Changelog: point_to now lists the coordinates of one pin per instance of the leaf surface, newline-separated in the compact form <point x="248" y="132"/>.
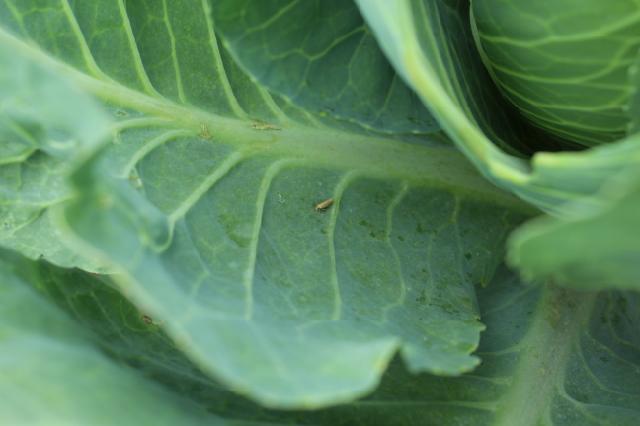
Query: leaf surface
<point x="53" y="373"/>
<point x="592" y="248"/>
<point x="39" y="144"/>
<point x="203" y="203"/>
<point x="550" y="356"/>
<point x="320" y="55"/>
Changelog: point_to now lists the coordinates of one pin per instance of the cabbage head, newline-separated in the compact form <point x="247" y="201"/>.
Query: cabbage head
<point x="565" y="64"/>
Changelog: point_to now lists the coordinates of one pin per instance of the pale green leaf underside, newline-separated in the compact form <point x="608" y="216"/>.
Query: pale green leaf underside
<point x="209" y="215"/>
<point x="53" y="373"/>
<point x="551" y="357"/>
<point x="39" y="143"/>
<point x="592" y="248"/>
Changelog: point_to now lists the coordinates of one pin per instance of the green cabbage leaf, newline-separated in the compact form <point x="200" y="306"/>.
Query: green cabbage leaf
<point x="297" y="212"/>
<point x="426" y="41"/>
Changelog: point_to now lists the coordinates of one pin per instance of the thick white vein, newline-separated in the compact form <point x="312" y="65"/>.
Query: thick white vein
<point x="249" y="274"/>
<point x="150" y="146"/>
<point x="82" y="41"/>
<point x="135" y="52"/>
<point x="221" y="170"/>
<point x="174" y="55"/>
<point x="213" y="43"/>
<point x="397" y="199"/>
<point x="333" y="219"/>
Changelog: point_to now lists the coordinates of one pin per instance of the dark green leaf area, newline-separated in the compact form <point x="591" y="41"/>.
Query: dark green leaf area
<point x="54" y="371"/>
<point x="587" y="368"/>
<point x="320" y="55"/>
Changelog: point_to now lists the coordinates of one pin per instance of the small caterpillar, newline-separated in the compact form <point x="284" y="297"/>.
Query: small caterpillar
<point x="204" y="131"/>
<point x="324" y="205"/>
<point x="261" y="125"/>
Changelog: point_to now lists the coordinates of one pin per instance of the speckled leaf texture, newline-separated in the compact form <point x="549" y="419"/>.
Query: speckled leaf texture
<point x="162" y="163"/>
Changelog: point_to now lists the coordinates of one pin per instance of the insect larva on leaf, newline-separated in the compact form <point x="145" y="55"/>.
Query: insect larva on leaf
<point x="204" y="131"/>
<point x="261" y="125"/>
<point x="324" y="205"/>
<point x="149" y="321"/>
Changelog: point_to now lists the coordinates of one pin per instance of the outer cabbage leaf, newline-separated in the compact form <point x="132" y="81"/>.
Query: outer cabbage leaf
<point x="591" y="248"/>
<point x="53" y="373"/>
<point x="203" y="202"/>
<point x="39" y="144"/>
<point x="550" y="356"/>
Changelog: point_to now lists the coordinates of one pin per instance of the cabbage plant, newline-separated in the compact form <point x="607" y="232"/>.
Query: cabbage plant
<point x="319" y="212"/>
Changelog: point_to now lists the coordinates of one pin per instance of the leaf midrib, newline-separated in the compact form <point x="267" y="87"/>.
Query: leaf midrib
<point x="386" y="158"/>
<point x="560" y="318"/>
